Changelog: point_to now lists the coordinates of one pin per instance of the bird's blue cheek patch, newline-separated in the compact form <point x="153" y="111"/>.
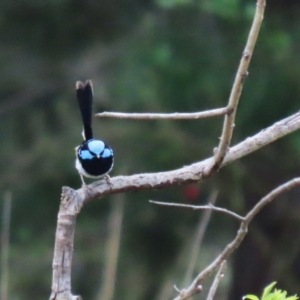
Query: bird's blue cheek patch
<point x="85" y="154"/>
<point x="96" y="146"/>
<point x="106" y="153"/>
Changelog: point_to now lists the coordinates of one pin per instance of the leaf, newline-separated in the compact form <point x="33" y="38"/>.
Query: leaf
<point x="275" y="295"/>
<point x="295" y="297"/>
<point x="270" y="296"/>
<point x="250" y="297"/>
<point x="267" y="290"/>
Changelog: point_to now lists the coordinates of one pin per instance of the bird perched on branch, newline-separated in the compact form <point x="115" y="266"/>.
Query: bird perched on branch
<point x="94" y="158"/>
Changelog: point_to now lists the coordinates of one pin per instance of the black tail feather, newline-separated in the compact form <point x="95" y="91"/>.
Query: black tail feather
<point x="84" y="92"/>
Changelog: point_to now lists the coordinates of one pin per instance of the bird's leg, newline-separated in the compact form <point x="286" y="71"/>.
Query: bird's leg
<point x="107" y="179"/>
<point x="84" y="186"/>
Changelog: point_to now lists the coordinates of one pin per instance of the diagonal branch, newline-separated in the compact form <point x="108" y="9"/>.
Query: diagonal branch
<point x="216" y="282"/>
<point x="237" y="87"/>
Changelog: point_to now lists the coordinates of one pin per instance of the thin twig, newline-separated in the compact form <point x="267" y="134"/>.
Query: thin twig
<point x="168" y="116"/>
<point x="201" y="207"/>
<point x="6" y="215"/>
<point x="197" y="241"/>
<point x="234" y="244"/>
<point x="237" y="87"/>
<point x="218" y="277"/>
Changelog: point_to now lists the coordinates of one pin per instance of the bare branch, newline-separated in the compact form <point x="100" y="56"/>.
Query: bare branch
<point x="192" y="173"/>
<point x="197" y="241"/>
<point x="63" y="248"/>
<point x="112" y="249"/>
<point x="216" y="282"/>
<point x="200" y="207"/>
<point x="237" y="87"/>
<point x="193" y="288"/>
<point x="268" y="198"/>
<point x="6" y="216"/>
<point x="168" y="116"/>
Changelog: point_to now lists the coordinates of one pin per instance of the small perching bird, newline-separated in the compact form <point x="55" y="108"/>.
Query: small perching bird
<point x="94" y="158"/>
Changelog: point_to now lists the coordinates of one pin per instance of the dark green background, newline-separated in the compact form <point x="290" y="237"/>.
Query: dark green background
<point x="145" y="56"/>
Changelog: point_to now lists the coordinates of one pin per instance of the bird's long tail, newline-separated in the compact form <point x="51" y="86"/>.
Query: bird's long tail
<point x="84" y="93"/>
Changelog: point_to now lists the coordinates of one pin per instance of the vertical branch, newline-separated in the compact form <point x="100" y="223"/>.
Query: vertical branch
<point x="237" y="87"/>
<point x="63" y="250"/>
<point x="199" y="237"/>
<point x="6" y="215"/>
<point x="112" y="249"/>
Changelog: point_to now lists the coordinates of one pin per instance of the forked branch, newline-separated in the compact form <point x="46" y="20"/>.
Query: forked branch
<point x="229" y="111"/>
<point x="72" y="200"/>
<point x="237" y="87"/>
<point x="196" y="284"/>
<point x="188" y="174"/>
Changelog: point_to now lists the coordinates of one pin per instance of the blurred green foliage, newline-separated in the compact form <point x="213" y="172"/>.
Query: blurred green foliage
<point x="145" y="56"/>
<point x="268" y="294"/>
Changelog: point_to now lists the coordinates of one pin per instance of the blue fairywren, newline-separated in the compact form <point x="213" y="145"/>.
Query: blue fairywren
<point x="94" y="158"/>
